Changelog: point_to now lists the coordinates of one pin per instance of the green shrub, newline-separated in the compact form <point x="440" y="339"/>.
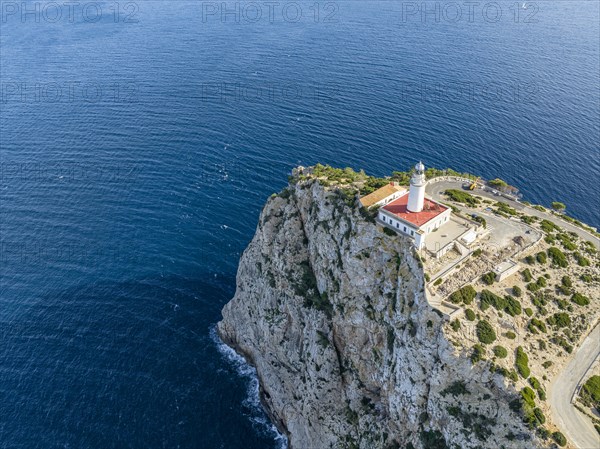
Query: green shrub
<point x="491" y="299"/>
<point x="522" y="363"/>
<point x="456" y="388"/>
<point x="586" y="278"/>
<point x="566" y="281"/>
<point x="539" y="415"/>
<point x="323" y="304"/>
<point x="433" y="439"/>
<point x="455" y="325"/>
<point x="500" y="352"/>
<point x="510" y="335"/>
<point x="505" y="209"/>
<point x="438" y="281"/>
<point x="516" y="291"/>
<point x="526" y="275"/>
<point x="542" y="394"/>
<point x="462" y="197"/>
<point x="507" y="304"/>
<point x="542" y="432"/>
<point x="463" y="295"/>
<point x="580" y="300"/>
<point x="547" y="364"/>
<point x="581" y="260"/>
<point x="530" y="260"/>
<point x="528" y="396"/>
<point x="548" y="226"/>
<point x="470" y="314"/>
<point x="542" y="281"/>
<point x="528" y="311"/>
<point x="512" y="374"/>
<point x="566" y="242"/>
<point x="535" y="325"/>
<point x="541" y="257"/>
<point x="513" y="306"/>
<point x="498" y="183"/>
<point x="559" y="438"/>
<point x="532" y="415"/>
<point x="562" y="342"/>
<point x="529" y="219"/>
<point x="477" y="252"/>
<point x="485" y="332"/>
<point x="590" y="392"/>
<point x="478" y="353"/>
<point x="560" y="319"/>
<point x="558" y="257"/>
<point x="489" y="278"/>
<point x="540" y="300"/>
<point x="534" y="382"/>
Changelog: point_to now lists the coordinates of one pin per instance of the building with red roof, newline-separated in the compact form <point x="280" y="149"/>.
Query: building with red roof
<point x="413" y="214"/>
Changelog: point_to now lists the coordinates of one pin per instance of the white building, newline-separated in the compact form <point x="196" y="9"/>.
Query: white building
<point x="412" y="213"/>
<point x="506" y="269"/>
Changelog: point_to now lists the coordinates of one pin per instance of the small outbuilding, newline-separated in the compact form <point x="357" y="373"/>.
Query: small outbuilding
<point x="506" y="269"/>
<point x="383" y="195"/>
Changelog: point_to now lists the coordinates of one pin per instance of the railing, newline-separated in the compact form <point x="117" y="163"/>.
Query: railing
<point x="451" y="178"/>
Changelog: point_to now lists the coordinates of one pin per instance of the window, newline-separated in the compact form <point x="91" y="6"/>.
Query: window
<point x="412" y="232"/>
<point x="404" y="228"/>
<point x="397" y="225"/>
<point x="383" y="218"/>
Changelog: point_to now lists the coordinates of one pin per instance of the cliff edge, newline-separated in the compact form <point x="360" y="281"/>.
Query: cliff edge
<point x="332" y="312"/>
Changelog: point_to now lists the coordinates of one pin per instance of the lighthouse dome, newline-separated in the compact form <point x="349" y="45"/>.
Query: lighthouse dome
<point x="420" y="167"/>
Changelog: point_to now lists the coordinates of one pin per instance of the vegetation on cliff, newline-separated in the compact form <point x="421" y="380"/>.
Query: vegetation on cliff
<point x="332" y="310"/>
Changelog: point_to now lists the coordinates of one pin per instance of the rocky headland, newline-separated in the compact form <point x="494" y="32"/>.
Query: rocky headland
<point x="332" y="312"/>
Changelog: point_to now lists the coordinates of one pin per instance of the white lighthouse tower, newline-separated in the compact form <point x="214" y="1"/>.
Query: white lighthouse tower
<point x="416" y="193"/>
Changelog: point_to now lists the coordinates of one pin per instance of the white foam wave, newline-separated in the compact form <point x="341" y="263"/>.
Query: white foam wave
<point x="258" y="416"/>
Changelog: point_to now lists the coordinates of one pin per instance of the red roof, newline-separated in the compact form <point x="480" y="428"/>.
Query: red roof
<point x="431" y="209"/>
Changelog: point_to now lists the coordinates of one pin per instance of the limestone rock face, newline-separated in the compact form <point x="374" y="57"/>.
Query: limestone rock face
<point x="332" y="313"/>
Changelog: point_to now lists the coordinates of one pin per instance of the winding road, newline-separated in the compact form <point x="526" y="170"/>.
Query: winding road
<point x="577" y="427"/>
<point x="435" y="190"/>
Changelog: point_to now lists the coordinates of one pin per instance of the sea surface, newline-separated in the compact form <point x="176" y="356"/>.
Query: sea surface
<point x="139" y="141"/>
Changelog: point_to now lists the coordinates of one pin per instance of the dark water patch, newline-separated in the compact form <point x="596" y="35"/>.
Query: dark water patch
<point x="123" y="365"/>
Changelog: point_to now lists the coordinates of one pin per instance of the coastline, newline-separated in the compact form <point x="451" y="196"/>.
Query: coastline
<point x="244" y="368"/>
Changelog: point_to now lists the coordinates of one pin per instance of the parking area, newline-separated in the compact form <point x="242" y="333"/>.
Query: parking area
<point x="503" y="231"/>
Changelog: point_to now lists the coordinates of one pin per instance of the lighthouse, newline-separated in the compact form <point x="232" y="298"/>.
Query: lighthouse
<point x="416" y="193"/>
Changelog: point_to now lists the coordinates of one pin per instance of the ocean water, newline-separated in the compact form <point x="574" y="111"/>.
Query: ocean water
<point x="139" y="141"/>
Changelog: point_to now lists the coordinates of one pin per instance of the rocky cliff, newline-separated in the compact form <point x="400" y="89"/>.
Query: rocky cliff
<point x="331" y="311"/>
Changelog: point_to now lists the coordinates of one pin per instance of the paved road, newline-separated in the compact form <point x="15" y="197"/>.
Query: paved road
<point x="435" y="190"/>
<point x="577" y="427"/>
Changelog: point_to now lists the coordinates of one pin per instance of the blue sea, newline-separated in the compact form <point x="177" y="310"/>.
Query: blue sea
<point x="139" y="141"/>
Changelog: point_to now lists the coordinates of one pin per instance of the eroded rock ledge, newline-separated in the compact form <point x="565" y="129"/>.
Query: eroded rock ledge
<point x="331" y="312"/>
